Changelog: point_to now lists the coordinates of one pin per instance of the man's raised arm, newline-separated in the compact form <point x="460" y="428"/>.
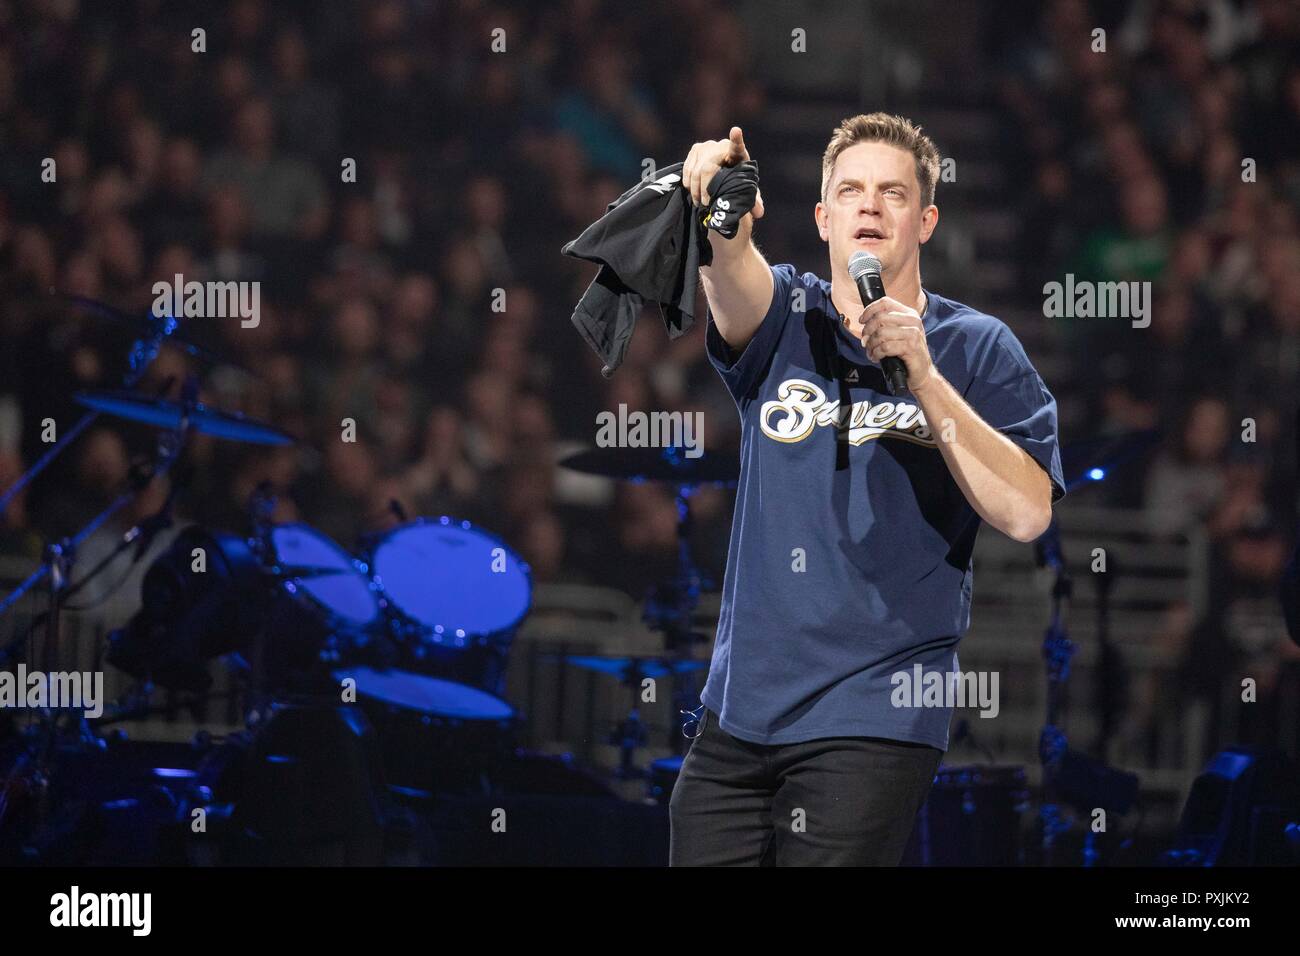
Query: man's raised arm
<point x="738" y="285"/>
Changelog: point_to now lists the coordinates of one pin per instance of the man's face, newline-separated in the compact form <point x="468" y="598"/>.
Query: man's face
<point x="873" y="204"/>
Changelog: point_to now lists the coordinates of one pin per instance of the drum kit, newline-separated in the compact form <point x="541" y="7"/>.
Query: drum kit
<point x="413" y="629"/>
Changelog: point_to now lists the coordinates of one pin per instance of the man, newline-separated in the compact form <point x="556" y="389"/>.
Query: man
<point x="856" y="515"/>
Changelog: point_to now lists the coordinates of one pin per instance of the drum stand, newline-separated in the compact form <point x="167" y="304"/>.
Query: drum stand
<point x="1058" y="649"/>
<point x="1069" y="775"/>
<point x="57" y="566"/>
<point x="59" y="556"/>
<point x="630" y="733"/>
<point x="670" y="607"/>
<point x="670" y="610"/>
<point x="56" y="570"/>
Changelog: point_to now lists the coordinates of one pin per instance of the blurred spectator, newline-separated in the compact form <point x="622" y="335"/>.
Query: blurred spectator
<point x="1184" y="485"/>
<point x="284" y="194"/>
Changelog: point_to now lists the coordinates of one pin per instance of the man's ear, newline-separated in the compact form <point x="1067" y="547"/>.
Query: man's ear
<point x="823" y="221"/>
<point x="929" y="220"/>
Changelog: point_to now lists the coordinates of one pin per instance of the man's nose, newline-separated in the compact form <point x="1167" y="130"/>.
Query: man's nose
<point x="870" y="203"/>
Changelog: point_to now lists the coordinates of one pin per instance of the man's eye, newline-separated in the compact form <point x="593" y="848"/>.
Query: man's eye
<point x="846" y="189"/>
<point x="896" y="192"/>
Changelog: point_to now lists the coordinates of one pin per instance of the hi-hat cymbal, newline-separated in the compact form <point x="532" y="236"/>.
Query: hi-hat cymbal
<point x="656" y="464"/>
<point x="162" y="413"/>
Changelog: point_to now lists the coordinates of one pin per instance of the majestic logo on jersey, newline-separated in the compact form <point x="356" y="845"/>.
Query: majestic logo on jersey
<point x="802" y="405"/>
<point x="665" y="183"/>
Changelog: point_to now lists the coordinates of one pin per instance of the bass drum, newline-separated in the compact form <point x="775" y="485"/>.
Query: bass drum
<point x="457" y="592"/>
<point x="203" y="597"/>
<point x="436" y="736"/>
<point x="290" y="601"/>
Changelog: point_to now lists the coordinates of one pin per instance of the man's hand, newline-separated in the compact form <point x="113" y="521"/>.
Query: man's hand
<point x="738" y="282"/>
<point x="704" y="161"/>
<point x="887" y="327"/>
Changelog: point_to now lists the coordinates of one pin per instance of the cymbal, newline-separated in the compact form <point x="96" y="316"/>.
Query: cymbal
<point x="656" y="464"/>
<point x="624" y="667"/>
<point x="162" y="413"/>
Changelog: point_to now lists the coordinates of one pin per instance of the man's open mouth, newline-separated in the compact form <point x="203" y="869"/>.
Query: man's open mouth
<point x="868" y="234"/>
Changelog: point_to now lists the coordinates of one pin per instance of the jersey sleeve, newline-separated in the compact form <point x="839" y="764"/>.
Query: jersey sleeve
<point x="744" y="372"/>
<point x="1008" y="393"/>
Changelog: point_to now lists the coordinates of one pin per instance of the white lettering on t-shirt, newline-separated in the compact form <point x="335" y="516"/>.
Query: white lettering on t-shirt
<point x="801" y="405"/>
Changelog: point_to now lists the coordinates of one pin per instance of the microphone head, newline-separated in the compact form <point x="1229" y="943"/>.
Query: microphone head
<point x="862" y="264"/>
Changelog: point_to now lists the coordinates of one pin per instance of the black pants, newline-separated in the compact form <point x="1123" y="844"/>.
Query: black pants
<point x="841" y="801"/>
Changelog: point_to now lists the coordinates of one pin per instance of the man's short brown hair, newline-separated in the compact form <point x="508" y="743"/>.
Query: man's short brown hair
<point x="893" y="130"/>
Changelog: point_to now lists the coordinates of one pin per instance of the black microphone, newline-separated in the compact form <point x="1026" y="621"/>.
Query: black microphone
<point x="864" y="270"/>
